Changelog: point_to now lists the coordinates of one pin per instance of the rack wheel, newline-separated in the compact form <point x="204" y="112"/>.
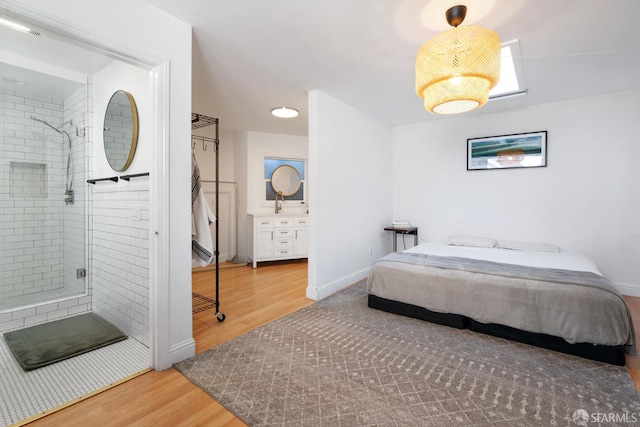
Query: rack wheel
<point x="220" y="317"/>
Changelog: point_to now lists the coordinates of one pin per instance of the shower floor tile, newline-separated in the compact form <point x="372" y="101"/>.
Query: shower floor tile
<point x="24" y="394"/>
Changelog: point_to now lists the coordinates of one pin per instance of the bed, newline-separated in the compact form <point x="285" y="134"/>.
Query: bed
<point x="532" y="293"/>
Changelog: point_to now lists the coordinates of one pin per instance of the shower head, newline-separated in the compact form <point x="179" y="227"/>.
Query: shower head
<point x="63" y="124"/>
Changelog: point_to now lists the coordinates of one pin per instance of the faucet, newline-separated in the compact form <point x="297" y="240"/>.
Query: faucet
<point x="279" y="206"/>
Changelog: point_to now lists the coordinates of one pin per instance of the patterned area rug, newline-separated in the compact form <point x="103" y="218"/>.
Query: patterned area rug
<point x="340" y="363"/>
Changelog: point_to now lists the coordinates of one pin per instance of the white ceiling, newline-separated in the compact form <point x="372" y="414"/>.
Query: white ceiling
<point x="47" y="65"/>
<point x="252" y="55"/>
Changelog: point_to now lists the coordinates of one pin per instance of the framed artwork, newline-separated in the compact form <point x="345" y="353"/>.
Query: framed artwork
<point x="522" y="150"/>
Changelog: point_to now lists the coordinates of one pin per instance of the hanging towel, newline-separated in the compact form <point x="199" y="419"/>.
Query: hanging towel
<point x="201" y="219"/>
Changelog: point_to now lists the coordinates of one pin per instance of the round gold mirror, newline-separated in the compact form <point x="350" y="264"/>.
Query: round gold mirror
<point x="285" y="179"/>
<point x="120" y="130"/>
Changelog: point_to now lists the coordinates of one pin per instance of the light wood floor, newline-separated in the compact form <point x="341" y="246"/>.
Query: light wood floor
<point x="633" y="362"/>
<point x="249" y="298"/>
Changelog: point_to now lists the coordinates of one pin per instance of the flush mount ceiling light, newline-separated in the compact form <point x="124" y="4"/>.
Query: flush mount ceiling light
<point x="456" y="69"/>
<point x="285" y="112"/>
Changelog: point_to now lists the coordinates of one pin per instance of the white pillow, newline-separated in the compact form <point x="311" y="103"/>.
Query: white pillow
<point x="477" y="242"/>
<point x="527" y="246"/>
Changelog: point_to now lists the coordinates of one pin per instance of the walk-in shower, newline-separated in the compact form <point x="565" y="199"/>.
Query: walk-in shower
<point x="42" y="208"/>
<point x="67" y="247"/>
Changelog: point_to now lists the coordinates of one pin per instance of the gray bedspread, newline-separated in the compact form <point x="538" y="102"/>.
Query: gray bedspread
<point x="581" y="307"/>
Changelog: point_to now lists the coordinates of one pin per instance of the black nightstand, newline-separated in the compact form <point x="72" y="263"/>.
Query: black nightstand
<point x="411" y="230"/>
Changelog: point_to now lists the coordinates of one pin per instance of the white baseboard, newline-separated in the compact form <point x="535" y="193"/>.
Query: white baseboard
<point x="243" y="258"/>
<point x="182" y="351"/>
<point x="630" y="289"/>
<point x="223" y="258"/>
<point x="337" y="285"/>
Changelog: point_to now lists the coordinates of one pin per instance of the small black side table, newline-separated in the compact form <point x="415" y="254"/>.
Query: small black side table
<point x="396" y="231"/>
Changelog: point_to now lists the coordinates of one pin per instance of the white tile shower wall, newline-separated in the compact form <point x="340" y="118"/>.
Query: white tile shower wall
<point x="120" y="258"/>
<point x="30" y="218"/>
<point x="14" y="125"/>
<point x="75" y="214"/>
<point x="23" y="317"/>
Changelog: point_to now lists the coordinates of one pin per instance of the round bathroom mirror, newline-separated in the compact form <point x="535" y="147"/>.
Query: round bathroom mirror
<point x="120" y="130"/>
<point x="286" y="180"/>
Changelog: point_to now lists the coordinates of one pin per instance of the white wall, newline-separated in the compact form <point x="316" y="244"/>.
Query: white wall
<point x="32" y="167"/>
<point x="350" y="193"/>
<point x="241" y="149"/>
<point x="119" y="240"/>
<point x="120" y="257"/>
<point x="585" y="200"/>
<point x="26" y="266"/>
<point x="137" y="81"/>
<point x="207" y="160"/>
<point x="252" y="148"/>
<point x="261" y="145"/>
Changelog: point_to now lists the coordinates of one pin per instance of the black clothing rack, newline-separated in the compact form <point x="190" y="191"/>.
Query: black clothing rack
<point x="199" y="121"/>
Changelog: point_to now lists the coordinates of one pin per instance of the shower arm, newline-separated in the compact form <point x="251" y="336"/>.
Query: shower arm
<point x="69" y="177"/>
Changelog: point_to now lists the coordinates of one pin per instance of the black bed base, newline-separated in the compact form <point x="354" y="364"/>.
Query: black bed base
<point x="409" y="310"/>
<point x="602" y="353"/>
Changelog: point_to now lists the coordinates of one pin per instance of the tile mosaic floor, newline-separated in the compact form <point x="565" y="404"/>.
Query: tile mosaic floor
<point x="24" y="394"/>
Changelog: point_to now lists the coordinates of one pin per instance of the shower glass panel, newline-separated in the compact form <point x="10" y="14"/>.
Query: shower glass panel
<point x="42" y="188"/>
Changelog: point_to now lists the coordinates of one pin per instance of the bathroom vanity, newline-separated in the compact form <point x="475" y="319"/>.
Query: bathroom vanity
<point x="275" y="237"/>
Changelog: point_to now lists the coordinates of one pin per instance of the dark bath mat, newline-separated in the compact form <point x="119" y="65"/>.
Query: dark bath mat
<point x="47" y="343"/>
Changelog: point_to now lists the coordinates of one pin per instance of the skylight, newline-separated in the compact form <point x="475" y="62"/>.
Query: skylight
<point x="511" y="75"/>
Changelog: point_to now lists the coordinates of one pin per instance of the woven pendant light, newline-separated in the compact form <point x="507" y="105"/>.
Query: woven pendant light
<point x="456" y="69"/>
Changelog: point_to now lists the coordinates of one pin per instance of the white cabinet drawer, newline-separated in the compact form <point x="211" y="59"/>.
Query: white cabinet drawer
<point x="283" y="232"/>
<point x="264" y="223"/>
<point x="282" y="243"/>
<point x="284" y="222"/>
<point x="301" y="222"/>
<point x="284" y="253"/>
